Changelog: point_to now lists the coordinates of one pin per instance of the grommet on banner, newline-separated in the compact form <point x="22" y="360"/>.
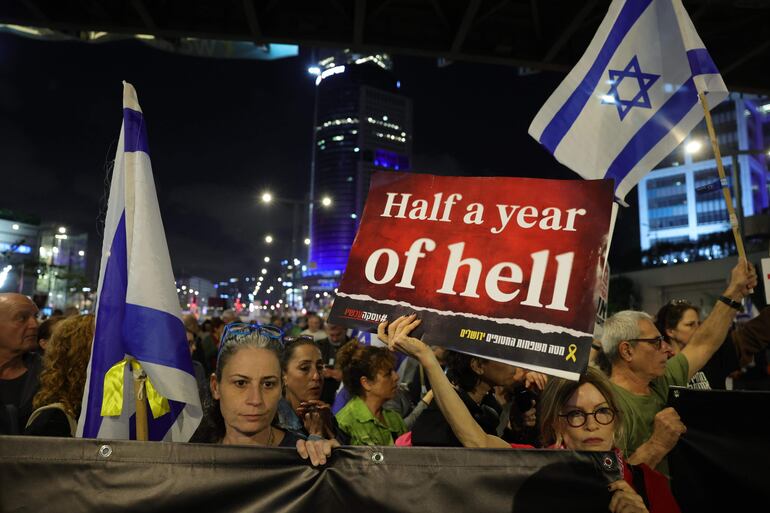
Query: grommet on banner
<point x="105" y="451"/>
<point x="378" y="457"/>
<point x="608" y="463"/>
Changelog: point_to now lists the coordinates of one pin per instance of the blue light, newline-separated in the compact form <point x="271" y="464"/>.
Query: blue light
<point x="390" y="160"/>
<point x="398" y="84"/>
<point x="21" y="248"/>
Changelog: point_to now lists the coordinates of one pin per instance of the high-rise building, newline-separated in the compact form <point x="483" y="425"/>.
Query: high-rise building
<point x="681" y="203"/>
<point x="362" y="124"/>
<point x="19" y="237"/>
<point x="61" y="273"/>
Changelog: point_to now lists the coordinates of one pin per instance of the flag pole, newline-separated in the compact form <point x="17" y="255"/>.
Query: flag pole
<point x="140" y="395"/>
<point x="722" y="178"/>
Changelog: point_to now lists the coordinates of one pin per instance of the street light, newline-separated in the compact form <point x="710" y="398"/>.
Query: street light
<point x="325" y="202"/>
<point x="269" y="239"/>
<point x="267" y="259"/>
<point x="693" y="147"/>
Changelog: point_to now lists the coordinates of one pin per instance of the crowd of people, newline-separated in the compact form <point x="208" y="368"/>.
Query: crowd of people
<point x="311" y="386"/>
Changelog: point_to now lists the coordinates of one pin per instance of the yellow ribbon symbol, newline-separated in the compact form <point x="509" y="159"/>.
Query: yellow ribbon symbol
<point x="112" y="402"/>
<point x="572" y="350"/>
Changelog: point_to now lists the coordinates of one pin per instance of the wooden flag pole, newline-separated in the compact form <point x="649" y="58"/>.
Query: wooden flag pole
<point x="723" y="179"/>
<point x="140" y="396"/>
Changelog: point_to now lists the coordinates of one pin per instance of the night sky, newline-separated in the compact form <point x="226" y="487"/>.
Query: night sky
<point x="221" y="131"/>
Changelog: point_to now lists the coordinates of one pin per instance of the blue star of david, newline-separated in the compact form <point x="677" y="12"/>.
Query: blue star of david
<point x="642" y="98"/>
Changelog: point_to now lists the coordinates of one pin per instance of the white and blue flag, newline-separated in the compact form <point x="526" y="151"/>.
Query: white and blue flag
<point x="633" y="96"/>
<point x="138" y="317"/>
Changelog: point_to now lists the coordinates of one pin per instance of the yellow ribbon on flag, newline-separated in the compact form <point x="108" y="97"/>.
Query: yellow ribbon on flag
<point x="112" y="401"/>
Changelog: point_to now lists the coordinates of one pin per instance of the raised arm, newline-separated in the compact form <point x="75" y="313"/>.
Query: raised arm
<point x="464" y="426"/>
<point x="710" y="335"/>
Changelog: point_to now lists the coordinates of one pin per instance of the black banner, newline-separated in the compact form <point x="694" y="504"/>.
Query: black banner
<point x="53" y="474"/>
<point x="722" y="463"/>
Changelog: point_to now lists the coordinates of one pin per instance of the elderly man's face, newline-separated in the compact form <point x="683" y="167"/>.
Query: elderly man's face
<point x="18" y="324"/>
<point x="649" y="358"/>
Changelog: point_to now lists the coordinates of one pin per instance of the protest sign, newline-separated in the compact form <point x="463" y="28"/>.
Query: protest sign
<point x="506" y="268"/>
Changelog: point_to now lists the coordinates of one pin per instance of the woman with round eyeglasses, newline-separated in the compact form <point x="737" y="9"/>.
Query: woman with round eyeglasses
<point x="576" y="415"/>
<point x="246" y="388"/>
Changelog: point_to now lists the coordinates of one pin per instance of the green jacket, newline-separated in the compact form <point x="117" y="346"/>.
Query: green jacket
<point x="363" y="428"/>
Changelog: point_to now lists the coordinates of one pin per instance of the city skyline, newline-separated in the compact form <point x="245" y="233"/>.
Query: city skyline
<point x="220" y="132"/>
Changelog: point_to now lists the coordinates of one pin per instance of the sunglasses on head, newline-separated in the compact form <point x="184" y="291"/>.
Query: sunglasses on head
<point x="238" y="329"/>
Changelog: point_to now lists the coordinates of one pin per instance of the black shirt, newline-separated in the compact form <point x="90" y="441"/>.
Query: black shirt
<point x="432" y="429"/>
<point x="289" y="439"/>
<point x="16" y="396"/>
<point x="50" y="422"/>
<point x="329" y="355"/>
<point x="10" y="390"/>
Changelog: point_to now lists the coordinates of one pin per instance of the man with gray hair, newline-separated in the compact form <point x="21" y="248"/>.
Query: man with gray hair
<point x="642" y="373"/>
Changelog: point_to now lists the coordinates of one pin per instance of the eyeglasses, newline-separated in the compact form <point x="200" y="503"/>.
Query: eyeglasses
<point x="656" y="341"/>
<point x="577" y="418"/>
<point x="236" y="329"/>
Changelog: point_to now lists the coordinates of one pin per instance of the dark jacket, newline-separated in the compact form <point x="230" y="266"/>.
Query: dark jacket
<point x="13" y="418"/>
<point x="748" y="340"/>
<point x="329" y="355"/>
<point x="432" y="429"/>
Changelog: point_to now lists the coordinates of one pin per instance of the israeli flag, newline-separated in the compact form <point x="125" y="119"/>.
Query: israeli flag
<point x="137" y="311"/>
<point x="633" y="96"/>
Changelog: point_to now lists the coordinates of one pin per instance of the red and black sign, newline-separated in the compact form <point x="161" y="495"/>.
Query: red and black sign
<point x="505" y="268"/>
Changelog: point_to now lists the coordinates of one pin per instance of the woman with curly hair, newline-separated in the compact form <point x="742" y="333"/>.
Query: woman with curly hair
<point x="369" y="374"/>
<point x="63" y="378"/>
